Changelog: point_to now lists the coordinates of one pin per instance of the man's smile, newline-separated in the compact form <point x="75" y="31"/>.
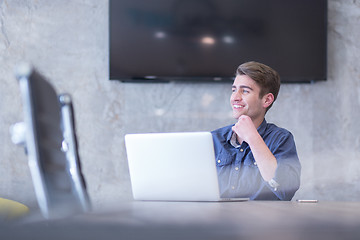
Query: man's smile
<point x="238" y="106"/>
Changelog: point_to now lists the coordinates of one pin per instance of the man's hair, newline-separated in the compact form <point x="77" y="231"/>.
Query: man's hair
<point x="267" y="78"/>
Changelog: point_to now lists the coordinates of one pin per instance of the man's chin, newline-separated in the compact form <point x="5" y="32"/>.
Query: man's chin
<point x="237" y="115"/>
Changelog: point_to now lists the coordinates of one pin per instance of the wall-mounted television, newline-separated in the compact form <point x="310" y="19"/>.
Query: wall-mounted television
<point x="205" y="40"/>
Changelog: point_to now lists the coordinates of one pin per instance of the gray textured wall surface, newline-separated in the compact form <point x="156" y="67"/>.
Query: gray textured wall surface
<point x="67" y="41"/>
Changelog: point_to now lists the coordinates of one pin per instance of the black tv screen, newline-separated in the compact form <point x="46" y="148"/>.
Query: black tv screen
<point x="206" y="40"/>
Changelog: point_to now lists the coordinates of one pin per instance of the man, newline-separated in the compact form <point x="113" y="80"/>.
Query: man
<point x="254" y="158"/>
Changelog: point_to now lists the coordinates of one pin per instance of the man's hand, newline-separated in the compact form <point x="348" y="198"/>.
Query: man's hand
<point x="245" y="129"/>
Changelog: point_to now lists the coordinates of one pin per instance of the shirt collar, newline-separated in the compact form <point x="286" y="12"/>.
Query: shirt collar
<point x="262" y="128"/>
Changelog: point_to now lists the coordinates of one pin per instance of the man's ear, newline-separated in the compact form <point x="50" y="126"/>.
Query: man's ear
<point x="268" y="99"/>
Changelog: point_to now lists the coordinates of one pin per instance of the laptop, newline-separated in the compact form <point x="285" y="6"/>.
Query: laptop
<point x="173" y="167"/>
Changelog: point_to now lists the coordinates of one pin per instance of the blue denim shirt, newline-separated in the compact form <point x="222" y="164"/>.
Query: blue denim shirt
<point x="239" y="175"/>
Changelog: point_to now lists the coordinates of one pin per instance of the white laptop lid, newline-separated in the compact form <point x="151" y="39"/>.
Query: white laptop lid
<point x="172" y="166"/>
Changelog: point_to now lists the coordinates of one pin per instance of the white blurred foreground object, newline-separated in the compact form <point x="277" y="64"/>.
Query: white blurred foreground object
<point x="48" y="135"/>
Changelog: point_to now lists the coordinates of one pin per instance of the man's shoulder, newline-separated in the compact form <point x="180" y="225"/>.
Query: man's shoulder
<point x="222" y="134"/>
<point x="222" y="130"/>
<point x="272" y="130"/>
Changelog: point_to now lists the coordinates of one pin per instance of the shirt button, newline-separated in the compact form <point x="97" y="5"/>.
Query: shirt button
<point x="232" y="187"/>
<point x="218" y="161"/>
<point x="255" y="163"/>
<point x="236" y="168"/>
<point x="241" y="150"/>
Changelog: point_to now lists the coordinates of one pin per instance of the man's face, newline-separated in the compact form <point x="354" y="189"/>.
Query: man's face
<point x="245" y="99"/>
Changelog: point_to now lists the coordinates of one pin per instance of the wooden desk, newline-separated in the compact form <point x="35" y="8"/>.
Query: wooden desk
<point x="202" y="220"/>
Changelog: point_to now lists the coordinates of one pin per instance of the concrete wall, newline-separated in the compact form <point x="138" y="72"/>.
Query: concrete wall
<point x="68" y="42"/>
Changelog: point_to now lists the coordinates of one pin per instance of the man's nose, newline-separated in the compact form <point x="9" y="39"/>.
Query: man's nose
<point x="236" y="95"/>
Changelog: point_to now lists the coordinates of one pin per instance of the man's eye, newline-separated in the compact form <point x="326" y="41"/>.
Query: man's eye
<point x="245" y="91"/>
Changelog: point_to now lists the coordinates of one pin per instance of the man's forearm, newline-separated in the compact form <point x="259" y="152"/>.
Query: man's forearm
<point x="264" y="158"/>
